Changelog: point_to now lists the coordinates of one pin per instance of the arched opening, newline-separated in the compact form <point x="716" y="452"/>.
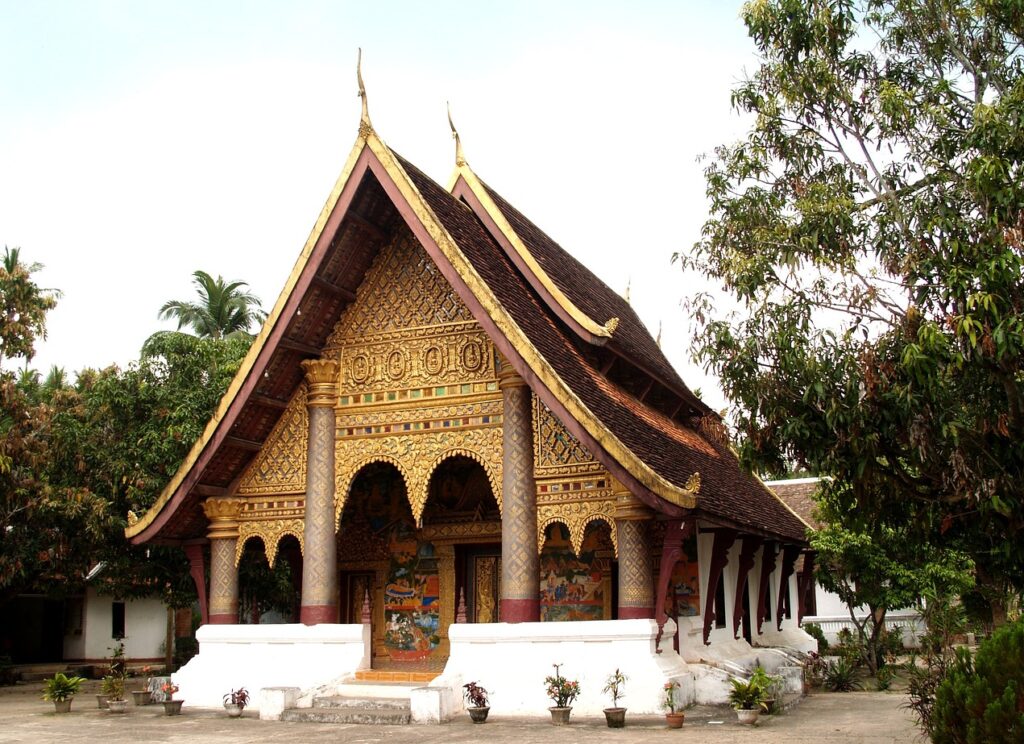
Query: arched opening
<point x="388" y="571"/>
<point x="266" y="594"/>
<point x="576" y="587"/>
<point x="462" y="517"/>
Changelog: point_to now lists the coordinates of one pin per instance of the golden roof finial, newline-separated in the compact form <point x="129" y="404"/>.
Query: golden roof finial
<point x="460" y="157"/>
<point x="365" y="127"/>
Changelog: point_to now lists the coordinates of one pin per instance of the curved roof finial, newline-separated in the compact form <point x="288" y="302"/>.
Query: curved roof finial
<point x="365" y="127"/>
<point x="629" y="286"/>
<point x="658" y="339"/>
<point x="460" y="157"/>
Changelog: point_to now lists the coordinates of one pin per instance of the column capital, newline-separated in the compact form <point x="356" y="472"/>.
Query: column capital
<point x="507" y="376"/>
<point x="223" y="514"/>
<point x="628" y="508"/>
<point x="322" y="379"/>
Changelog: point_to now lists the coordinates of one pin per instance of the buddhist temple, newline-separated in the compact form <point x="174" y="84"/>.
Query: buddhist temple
<point x="480" y="463"/>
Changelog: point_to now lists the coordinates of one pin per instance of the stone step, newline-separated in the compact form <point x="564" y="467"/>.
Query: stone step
<point x="376" y="689"/>
<point x="371" y="716"/>
<point x="360" y="702"/>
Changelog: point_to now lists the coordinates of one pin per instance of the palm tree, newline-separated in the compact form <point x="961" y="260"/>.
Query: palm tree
<point x="224" y="308"/>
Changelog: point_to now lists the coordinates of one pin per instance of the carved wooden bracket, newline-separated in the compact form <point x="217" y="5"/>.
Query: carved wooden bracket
<point x="789" y="555"/>
<point x="676" y="532"/>
<point x="746" y="562"/>
<point x="805" y="585"/>
<point x="197" y="568"/>
<point x="768" y="556"/>
<point x="724" y="540"/>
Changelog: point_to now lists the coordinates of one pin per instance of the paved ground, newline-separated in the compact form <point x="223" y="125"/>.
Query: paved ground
<point x="851" y="718"/>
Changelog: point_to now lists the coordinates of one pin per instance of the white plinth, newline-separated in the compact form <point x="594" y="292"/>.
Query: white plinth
<point x="259" y="656"/>
<point x="512" y="660"/>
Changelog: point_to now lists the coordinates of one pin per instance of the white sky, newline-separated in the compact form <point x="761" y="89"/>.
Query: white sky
<point x="140" y="141"/>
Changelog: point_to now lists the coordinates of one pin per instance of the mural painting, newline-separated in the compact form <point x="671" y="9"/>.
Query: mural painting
<point x="684" y="589"/>
<point x="575" y="587"/>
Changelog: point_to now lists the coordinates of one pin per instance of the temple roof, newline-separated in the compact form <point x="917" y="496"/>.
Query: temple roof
<point x="579" y="346"/>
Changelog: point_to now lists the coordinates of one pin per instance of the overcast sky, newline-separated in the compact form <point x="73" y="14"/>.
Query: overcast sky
<point x="140" y="141"/>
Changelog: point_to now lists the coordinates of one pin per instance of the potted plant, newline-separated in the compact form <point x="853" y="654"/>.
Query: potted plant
<point x="747" y="699"/>
<point x="614" y="685"/>
<point x="172" y="707"/>
<point x="113" y="686"/>
<point x="61" y="689"/>
<point x="674" y="718"/>
<point x="476" y="696"/>
<point x="235" y="702"/>
<point x="562" y="692"/>
<point x="143" y="697"/>
<point x="770" y="687"/>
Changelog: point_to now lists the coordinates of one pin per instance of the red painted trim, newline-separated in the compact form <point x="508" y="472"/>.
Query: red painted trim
<point x="509" y="352"/>
<point x="768" y="556"/>
<point x="636" y="613"/>
<point x="520" y="610"/>
<point x="317" y="614"/>
<point x="197" y="569"/>
<point x="743" y="565"/>
<point x="228" y="619"/>
<point x="724" y="540"/>
<point x="266" y="353"/>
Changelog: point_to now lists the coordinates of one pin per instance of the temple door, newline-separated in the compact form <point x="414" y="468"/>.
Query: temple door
<point x="482" y="582"/>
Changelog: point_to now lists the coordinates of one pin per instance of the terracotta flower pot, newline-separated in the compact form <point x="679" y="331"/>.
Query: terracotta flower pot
<point x="117" y="706"/>
<point x="478" y="715"/>
<point x="172" y="707"/>
<point x="142" y="697"/>
<point x="675" y="719"/>
<point x="560" y="716"/>
<point x="616" y="717"/>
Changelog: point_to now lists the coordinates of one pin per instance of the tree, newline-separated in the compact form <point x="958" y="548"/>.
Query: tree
<point x="869" y="563"/>
<point x="23" y="306"/>
<point x="870" y="228"/>
<point x="224" y="309"/>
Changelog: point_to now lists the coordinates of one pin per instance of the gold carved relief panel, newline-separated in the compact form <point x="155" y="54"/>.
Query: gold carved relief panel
<point x="280" y="466"/>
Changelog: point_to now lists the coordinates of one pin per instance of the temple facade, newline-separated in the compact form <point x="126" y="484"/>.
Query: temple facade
<point x="465" y="445"/>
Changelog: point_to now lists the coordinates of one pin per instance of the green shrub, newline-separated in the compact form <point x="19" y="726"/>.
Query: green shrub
<point x="841" y="676"/>
<point x="979" y="701"/>
<point x="884" y="677"/>
<point x="814" y="631"/>
<point x="60" y="687"/>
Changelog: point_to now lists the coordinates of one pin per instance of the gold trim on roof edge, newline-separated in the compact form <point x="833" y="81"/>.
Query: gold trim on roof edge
<point x="254" y="351"/>
<point x="683" y="497"/>
<point x="585" y="321"/>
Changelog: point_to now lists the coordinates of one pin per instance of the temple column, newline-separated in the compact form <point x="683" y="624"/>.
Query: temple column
<point x="636" y="580"/>
<point x="520" y="561"/>
<point x="319" y="560"/>
<point x="223" y="534"/>
<point x="446" y="585"/>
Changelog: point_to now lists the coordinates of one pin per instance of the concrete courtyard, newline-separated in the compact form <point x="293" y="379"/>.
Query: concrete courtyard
<point x="868" y="717"/>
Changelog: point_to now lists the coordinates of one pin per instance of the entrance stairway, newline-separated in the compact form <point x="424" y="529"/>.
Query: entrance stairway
<point x="373" y="697"/>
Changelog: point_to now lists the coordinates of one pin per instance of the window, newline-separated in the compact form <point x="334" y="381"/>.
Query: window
<point x="117" y="620"/>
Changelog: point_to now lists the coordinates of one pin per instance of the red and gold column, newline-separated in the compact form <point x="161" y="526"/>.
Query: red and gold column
<point x="520" y="562"/>
<point x="636" y="581"/>
<point x="319" y="560"/>
<point x="223" y="514"/>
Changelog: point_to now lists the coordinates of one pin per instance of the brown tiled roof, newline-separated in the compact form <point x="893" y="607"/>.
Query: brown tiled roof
<point x="671" y="449"/>
<point x="799" y="496"/>
<point x="592" y="296"/>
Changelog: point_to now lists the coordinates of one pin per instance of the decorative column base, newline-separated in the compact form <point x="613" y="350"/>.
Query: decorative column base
<point x="317" y="614"/>
<point x="229" y="619"/>
<point x="519" y="610"/>
<point x="636" y="613"/>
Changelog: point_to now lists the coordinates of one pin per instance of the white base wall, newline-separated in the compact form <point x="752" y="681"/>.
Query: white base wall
<point x="258" y="656"/>
<point x="512" y="660"/>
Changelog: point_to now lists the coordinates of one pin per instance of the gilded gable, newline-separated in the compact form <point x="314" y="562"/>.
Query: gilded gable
<point x="280" y="466"/>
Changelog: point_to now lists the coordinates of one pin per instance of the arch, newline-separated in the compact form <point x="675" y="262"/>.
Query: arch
<point x="420" y="503"/>
<point x="343" y="485"/>
<point x="609" y="521"/>
<point x="273" y="551"/>
<point x="245" y="539"/>
<point x="543" y="530"/>
<point x="271" y="533"/>
<point x="454" y="465"/>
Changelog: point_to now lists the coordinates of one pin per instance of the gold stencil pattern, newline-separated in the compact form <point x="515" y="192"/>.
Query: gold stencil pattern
<point x="271" y="532"/>
<point x="576" y="515"/>
<point x="636" y="587"/>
